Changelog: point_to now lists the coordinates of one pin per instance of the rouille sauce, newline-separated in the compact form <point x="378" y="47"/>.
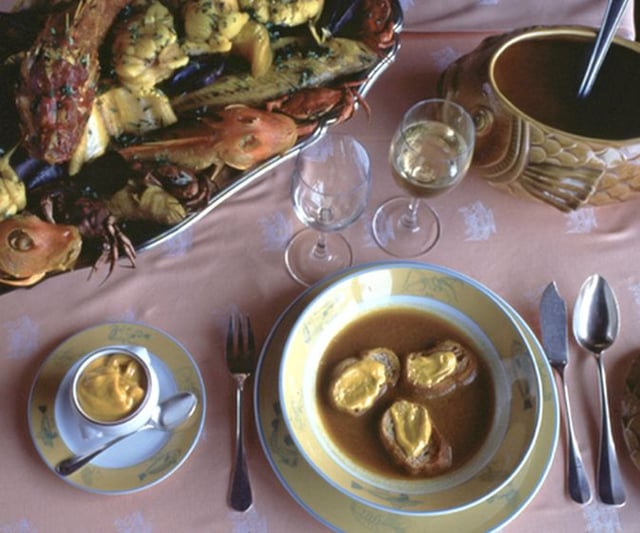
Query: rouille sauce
<point x="430" y="160"/>
<point x="463" y="416"/>
<point x="111" y="387"/>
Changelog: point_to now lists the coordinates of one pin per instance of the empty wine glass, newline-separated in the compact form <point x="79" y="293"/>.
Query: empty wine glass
<point x="330" y="188"/>
<point x="430" y="153"/>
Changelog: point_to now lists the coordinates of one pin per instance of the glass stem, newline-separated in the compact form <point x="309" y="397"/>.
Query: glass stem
<point x="410" y="219"/>
<point x="320" y="251"/>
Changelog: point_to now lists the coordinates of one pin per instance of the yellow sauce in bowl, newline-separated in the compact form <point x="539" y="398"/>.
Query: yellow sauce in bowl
<point x="111" y="387"/>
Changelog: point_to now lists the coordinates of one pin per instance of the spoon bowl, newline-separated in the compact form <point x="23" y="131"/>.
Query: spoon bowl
<point x="167" y="416"/>
<point x="595" y="327"/>
<point x="595" y="318"/>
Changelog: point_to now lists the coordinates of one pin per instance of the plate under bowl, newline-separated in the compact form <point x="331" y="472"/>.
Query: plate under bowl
<point x="472" y="308"/>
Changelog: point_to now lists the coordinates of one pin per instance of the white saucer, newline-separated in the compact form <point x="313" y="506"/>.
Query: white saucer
<point x="138" y="462"/>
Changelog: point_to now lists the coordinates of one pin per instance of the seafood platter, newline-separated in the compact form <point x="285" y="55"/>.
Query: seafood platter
<point x="126" y="121"/>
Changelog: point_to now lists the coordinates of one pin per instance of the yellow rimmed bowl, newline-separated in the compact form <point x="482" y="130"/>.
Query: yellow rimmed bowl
<point x="469" y="307"/>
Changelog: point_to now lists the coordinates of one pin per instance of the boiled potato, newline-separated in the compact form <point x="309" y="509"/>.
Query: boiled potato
<point x="210" y="26"/>
<point x="252" y="43"/>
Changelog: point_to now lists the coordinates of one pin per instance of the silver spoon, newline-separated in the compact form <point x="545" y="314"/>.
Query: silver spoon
<point x="595" y="327"/>
<point x="608" y="28"/>
<point x="169" y="414"/>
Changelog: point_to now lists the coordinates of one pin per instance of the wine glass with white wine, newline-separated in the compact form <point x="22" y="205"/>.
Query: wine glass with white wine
<point x="430" y="153"/>
<point x="330" y="188"/>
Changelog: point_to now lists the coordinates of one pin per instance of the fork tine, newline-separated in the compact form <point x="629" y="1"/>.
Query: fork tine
<point x="251" y="346"/>
<point x="241" y="336"/>
<point x="230" y="335"/>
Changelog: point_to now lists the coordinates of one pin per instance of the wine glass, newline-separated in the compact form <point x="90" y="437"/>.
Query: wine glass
<point x="430" y="154"/>
<point x="330" y="188"/>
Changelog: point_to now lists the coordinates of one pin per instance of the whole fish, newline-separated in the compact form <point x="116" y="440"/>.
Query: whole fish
<point x="59" y="76"/>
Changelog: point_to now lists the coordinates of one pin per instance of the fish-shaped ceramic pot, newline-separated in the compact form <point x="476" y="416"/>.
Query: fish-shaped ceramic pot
<point x="534" y="136"/>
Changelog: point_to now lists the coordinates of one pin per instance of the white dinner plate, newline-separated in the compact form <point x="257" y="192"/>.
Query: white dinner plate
<point x="139" y="461"/>
<point x="337" y="511"/>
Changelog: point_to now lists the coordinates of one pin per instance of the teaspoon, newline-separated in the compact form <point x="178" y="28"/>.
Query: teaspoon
<point x="169" y="414"/>
<point x="595" y="327"/>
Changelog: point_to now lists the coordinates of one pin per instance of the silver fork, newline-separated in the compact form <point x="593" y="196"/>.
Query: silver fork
<point x="241" y="360"/>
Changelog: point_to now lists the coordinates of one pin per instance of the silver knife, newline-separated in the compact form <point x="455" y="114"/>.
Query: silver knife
<point x="553" y="325"/>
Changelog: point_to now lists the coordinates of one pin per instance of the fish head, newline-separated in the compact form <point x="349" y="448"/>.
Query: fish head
<point x="468" y="82"/>
<point x="30" y="248"/>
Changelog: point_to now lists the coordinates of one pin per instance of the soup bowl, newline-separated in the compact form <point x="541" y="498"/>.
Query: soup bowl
<point x="534" y="137"/>
<point x="482" y="322"/>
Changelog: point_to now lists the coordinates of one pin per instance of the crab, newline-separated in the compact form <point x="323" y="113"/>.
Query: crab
<point x="63" y="204"/>
<point x="309" y="105"/>
<point x="192" y="189"/>
<point x="378" y="26"/>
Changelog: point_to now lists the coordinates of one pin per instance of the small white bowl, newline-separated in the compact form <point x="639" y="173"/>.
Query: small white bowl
<point x="96" y="426"/>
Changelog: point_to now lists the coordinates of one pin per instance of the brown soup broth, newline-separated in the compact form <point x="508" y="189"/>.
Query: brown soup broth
<point x="464" y="416"/>
<point x="541" y="78"/>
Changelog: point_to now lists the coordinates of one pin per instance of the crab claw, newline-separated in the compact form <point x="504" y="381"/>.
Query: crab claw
<point x="308" y="106"/>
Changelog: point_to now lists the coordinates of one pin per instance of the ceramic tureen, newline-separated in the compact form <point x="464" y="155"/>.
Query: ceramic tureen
<point x="535" y="137"/>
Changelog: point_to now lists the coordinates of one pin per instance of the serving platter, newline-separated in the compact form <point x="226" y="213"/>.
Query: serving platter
<point x="333" y="508"/>
<point x="240" y="181"/>
<point x="145" y="235"/>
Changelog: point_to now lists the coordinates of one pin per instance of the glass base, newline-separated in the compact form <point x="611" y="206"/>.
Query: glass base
<point x="307" y="262"/>
<point x="394" y="233"/>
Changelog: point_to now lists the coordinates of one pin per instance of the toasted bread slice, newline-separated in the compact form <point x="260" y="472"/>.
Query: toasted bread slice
<point x="440" y="369"/>
<point x="413" y="441"/>
<point x="358" y="382"/>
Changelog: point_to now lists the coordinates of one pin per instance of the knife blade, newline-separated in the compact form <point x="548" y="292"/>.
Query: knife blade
<point x="553" y="326"/>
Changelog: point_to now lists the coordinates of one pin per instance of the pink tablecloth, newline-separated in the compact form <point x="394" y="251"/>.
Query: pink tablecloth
<point x="234" y="259"/>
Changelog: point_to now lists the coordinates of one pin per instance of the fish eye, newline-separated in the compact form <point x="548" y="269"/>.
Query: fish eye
<point x="20" y="240"/>
<point x="482" y="118"/>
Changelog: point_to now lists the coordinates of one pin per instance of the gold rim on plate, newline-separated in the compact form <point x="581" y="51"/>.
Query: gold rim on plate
<point x="336" y="510"/>
<point x="141" y="460"/>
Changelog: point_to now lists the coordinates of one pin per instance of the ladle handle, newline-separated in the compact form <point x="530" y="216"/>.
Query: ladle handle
<point x="610" y="486"/>
<point x="610" y="24"/>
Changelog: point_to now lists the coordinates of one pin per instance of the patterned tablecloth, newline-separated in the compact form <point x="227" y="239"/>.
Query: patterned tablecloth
<point x="234" y="259"/>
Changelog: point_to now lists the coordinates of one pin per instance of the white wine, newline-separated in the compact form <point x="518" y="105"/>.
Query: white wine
<point x="430" y="153"/>
<point x="428" y="158"/>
